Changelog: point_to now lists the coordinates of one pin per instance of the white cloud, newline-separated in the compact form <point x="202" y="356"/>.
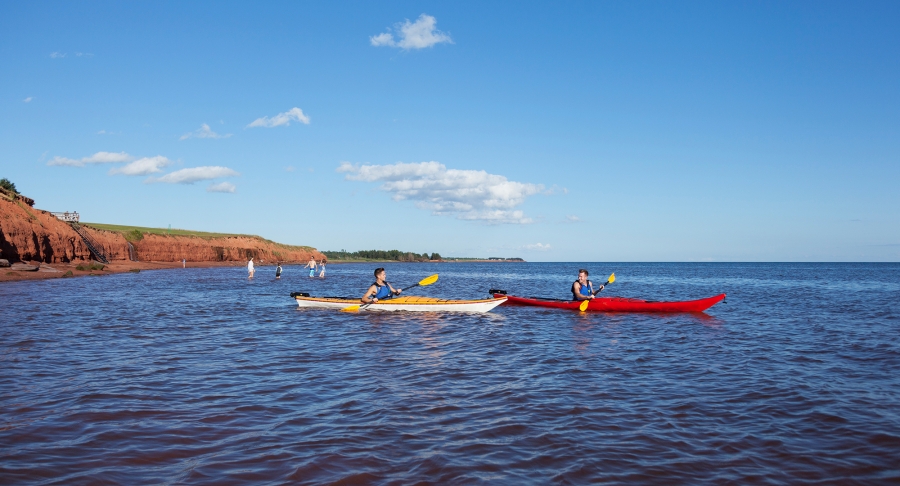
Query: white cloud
<point x="98" y="158"/>
<point x="203" y="132"/>
<point x="194" y="174"/>
<point x="466" y="194"/>
<point x="537" y="247"/>
<point x="142" y="167"/>
<point x="222" y="187"/>
<point x="383" y="39"/>
<point x="84" y="54"/>
<point x="28" y="100"/>
<point x="57" y="55"/>
<point x="572" y="218"/>
<point x="281" y="119"/>
<point x="413" y="35"/>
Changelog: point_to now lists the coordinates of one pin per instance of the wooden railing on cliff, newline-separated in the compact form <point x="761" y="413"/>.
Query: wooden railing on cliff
<point x="92" y="244"/>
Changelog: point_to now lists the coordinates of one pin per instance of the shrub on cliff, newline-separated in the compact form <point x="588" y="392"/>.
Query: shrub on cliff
<point x="133" y="235"/>
<point x="8" y="185"/>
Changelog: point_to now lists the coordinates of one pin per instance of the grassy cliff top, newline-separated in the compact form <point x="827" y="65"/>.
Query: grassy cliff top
<point x="131" y="233"/>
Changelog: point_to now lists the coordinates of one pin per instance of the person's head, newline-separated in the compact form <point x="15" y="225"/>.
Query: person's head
<point x="379" y="273"/>
<point x="582" y="274"/>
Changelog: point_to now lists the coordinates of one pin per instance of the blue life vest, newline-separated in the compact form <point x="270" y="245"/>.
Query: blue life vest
<point x="382" y="292"/>
<point x="589" y="287"/>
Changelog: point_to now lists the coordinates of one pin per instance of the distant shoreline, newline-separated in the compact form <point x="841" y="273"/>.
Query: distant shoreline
<point x="447" y="260"/>
<point x="71" y="269"/>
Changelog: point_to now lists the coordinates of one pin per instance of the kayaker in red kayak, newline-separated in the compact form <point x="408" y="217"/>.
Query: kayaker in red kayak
<point x="583" y="289"/>
<point x="380" y="289"/>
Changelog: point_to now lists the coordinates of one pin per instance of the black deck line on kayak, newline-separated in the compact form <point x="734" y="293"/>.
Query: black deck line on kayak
<point x="550" y="300"/>
<point x="305" y="294"/>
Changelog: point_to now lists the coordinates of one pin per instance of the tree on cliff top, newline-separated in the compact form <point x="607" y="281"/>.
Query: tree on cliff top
<point x="8" y="185"/>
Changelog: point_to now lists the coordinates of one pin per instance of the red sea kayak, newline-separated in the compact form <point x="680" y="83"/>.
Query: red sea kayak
<point x="617" y="304"/>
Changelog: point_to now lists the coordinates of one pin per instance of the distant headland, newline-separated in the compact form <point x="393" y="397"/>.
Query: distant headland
<point x="35" y="243"/>
<point x="40" y="244"/>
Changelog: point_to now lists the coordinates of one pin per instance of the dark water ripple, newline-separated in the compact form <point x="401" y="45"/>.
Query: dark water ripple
<point x="201" y="377"/>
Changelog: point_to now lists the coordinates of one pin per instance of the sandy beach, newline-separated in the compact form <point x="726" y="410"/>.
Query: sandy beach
<point x="83" y="269"/>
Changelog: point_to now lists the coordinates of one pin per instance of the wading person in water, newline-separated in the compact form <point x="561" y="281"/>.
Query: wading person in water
<point x="278" y="271"/>
<point x="322" y="266"/>
<point x="380" y="289"/>
<point x="583" y="289"/>
<point x="250" y="269"/>
<point x="312" y="267"/>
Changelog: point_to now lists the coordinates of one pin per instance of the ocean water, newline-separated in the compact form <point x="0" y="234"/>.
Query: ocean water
<point x="199" y="376"/>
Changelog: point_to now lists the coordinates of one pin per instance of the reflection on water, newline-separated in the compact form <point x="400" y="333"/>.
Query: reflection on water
<point x="201" y="376"/>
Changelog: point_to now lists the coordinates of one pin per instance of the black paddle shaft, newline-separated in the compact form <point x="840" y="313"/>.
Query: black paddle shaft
<point x="601" y="288"/>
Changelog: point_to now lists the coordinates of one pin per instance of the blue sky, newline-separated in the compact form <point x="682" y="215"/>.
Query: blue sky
<point x="582" y="131"/>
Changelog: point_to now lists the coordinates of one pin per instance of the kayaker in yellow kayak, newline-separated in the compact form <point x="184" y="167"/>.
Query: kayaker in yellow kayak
<point x="583" y="289"/>
<point x="380" y="289"/>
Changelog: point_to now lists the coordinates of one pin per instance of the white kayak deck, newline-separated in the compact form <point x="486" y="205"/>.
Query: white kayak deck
<point x="412" y="304"/>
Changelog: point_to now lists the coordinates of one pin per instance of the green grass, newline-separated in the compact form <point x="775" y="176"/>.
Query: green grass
<point x="135" y="233"/>
<point x="161" y="231"/>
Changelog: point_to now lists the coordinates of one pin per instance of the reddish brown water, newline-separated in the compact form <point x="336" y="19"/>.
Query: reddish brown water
<point x="201" y="377"/>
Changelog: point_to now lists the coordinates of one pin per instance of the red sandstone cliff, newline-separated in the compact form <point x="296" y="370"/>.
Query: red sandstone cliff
<point x="31" y="234"/>
<point x="28" y="234"/>
<point x="168" y="248"/>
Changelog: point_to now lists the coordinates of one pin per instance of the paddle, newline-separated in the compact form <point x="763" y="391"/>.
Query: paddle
<point x="425" y="281"/>
<point x="584" y="303"/>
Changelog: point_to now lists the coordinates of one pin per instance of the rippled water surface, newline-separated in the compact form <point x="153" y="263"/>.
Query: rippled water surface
<point x="199" y="376"/>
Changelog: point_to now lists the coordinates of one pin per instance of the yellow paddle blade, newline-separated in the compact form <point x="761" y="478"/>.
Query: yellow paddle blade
<point x="352" y="308"/>
<point x="612" y="278"/>
<point x="584" y="305"/>
<point x="429" y="280"/>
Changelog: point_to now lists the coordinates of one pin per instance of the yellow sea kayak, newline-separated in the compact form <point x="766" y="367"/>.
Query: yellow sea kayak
<point x="412" y="304"/>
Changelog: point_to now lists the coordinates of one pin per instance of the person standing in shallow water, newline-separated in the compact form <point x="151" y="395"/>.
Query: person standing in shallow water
<point x="322" y="266"/>
<point x="312" y="267"/>
<point x="278" y="271"/>
<point x="250" y="270"/>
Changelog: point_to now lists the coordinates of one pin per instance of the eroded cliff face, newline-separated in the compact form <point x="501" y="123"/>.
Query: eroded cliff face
<point x="169" y="248"/>
<point x="28" y="234"/>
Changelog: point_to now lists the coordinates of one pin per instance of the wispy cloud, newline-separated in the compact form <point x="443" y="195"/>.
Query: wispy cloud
<point x="203" y="132"/>
<point x="142" y="167"/>
<point x="195" y="174"/>
<point x="222" y="187"/>
<point x="97" y="158"/>
<point x="28" y="100"/>
<point x="466" y="194"/>
<point x="60" y="55"/>
<point x="537" y="247"/>
<point x="413" y="35"/>
<point x="280" y="119"/>
<point x="572" y="218"/>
